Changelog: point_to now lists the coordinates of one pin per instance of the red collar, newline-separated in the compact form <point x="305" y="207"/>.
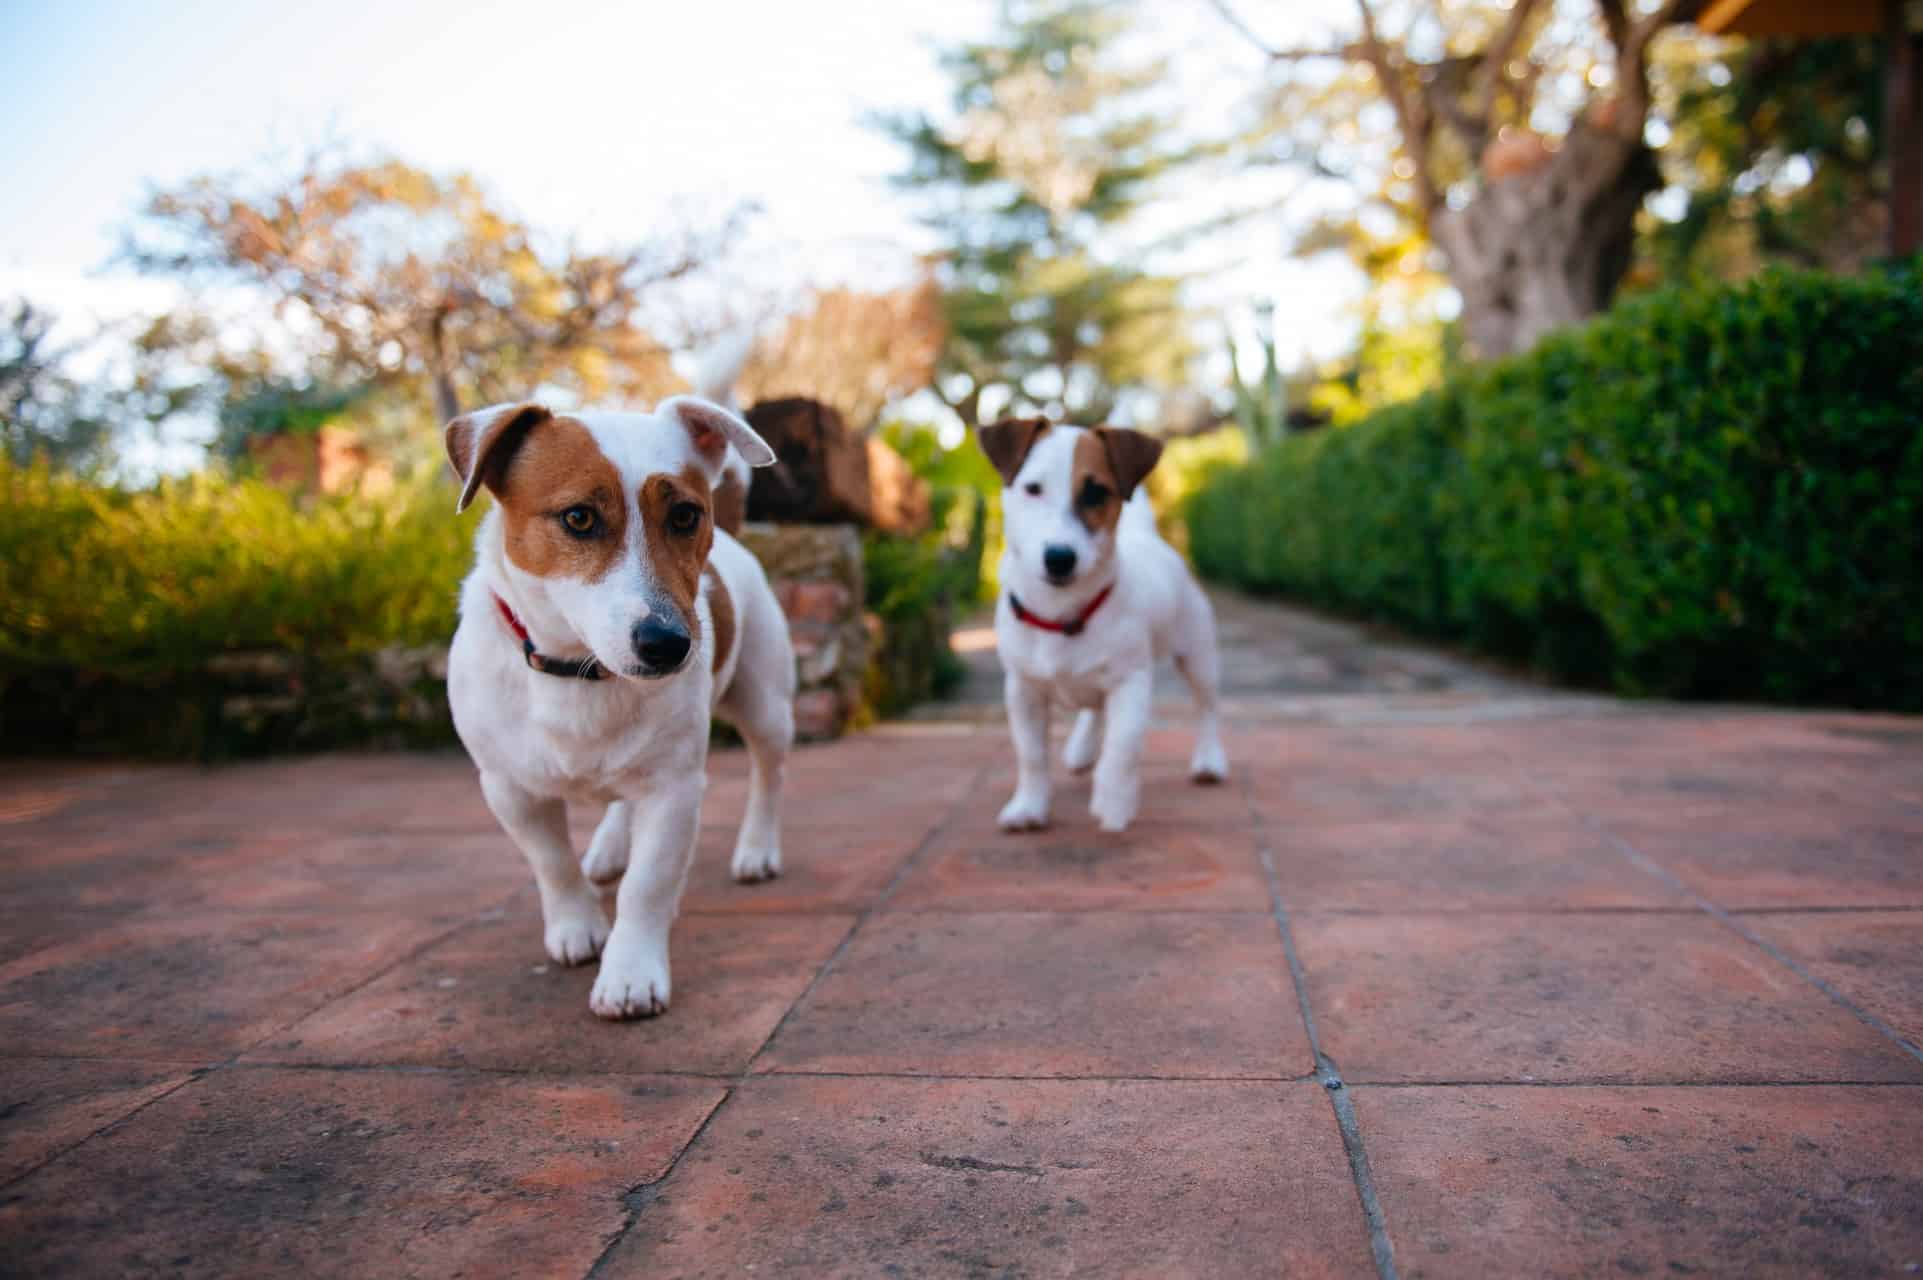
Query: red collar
<point x="573" y="668"/>
<point x="1073" y="626"/>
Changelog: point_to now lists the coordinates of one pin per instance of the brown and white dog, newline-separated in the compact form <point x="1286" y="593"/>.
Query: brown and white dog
<point x="1091" y="597"/>
<point x="606" y="618"/>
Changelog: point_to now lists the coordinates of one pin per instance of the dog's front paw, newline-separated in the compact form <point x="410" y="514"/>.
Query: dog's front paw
<point x="633" y="982"/>
<point x="1210" y="764"/>
<point x="1026" y="812"/>
<point x="576" y="928"/>
<point x="1113" y="803"/>
<point x="756" y="861"/>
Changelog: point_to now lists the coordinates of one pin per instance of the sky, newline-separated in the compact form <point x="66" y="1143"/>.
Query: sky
<point x="587" y="120"/>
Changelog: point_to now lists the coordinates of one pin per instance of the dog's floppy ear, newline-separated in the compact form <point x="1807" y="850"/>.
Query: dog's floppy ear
<point x="713" y="428"/>
<point x="1131" y="455"/>
<point x="1007" y="443"/>
<point x="479" y="444"/>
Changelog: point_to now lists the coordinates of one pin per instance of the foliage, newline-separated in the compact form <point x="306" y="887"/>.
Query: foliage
<point x="1262" y="408"/>
<point x="161" y="580"/>
<point x="1187" y="466"/>
<point x="44" y="412"/>
<point x="1712" y="492"/>
<point x="1773" y="154"/>
<point x="966" y="495"/>
<point x="1052" y="146"/>
<point x="393" y="275"/>
<point x="858" y="352"/>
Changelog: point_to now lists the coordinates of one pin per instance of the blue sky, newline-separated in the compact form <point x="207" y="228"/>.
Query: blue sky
<point x="585" y="119"/>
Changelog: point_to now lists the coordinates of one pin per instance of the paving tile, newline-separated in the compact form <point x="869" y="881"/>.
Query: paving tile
<point x="1167" y="796"/>
<point x="841" y="867"/>
<point x="1007" y="1178"/>
<point x="1153" y="866"/>
<point x="1600" y="998"/>
<point x="1792" y="1182"/>
<point x="489" y="997"/>
<point x="50" y="1104"/>
<point x="1059" y="994"/>
<point x="1378" y="790"/>
<point x="259" y="1172"/>
<point x="443" y="875"/>
<point x="24" y="932"/>
<point x="192" y="987"/>
<point x="1786" y="855"/>
<point x="1874" y="958"/>
<point x="1534" y="860"/>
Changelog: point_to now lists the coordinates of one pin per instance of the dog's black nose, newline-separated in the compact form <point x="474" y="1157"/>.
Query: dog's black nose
<point x="1058" y="561"/>
<point x="660" y="644"/>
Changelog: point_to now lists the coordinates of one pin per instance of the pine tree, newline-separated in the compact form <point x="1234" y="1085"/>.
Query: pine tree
<point x="1054" y="142"/>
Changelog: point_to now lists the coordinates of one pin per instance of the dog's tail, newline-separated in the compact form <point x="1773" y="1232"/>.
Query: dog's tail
<point x="715" y="380"/>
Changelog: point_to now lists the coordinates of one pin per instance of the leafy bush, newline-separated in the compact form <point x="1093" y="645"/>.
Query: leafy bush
<point x="140" y="582"/>
<point x="1186" y="466"/>
<point x="913" y="586"/>
<point x="1710" y="492"/>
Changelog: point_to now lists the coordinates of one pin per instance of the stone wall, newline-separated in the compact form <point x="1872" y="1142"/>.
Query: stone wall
<point x="816" y="574"/>
<point x="238" y="704"/>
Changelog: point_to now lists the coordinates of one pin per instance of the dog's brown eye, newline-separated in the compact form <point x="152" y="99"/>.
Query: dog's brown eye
<point x="1033" y="489"/>
<point x="580" y="521"/>
<point x="684" y="518"/>
<point x="1094" y="494"/>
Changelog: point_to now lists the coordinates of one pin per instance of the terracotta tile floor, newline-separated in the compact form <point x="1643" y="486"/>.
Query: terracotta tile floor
<point x="1563" y="993"/>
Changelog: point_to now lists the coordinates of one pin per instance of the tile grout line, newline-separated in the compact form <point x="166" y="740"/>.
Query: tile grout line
<point x="192" y="1077"/>
<point x="639" y="1197"/>
<point x="195" y="1074"/>
<point x="1737" y="926"/>
<point x="1381" y="1245"/>
<point x="1728" y="919"/>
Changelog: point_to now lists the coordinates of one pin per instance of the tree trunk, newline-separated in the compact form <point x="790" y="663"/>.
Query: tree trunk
<point x="447" y="402"/>
<point x="1545" y="248"/>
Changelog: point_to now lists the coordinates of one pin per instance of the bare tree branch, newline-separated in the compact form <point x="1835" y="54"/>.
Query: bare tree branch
<point x="1411" y="115"/>
<point x="1632" y="61"/>
<point x="1615" y="20"/>
<point x="1495" y="63"/>
<point x="1343" y="53"/>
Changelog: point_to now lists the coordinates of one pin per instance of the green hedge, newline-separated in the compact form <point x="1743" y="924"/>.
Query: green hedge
<point x="214" y="615"/>
<point x="1709" y="492"/>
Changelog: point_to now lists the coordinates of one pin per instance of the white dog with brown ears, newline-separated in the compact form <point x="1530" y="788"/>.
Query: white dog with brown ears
<point x="606" y="619"/>
<point x="1091" y="597"/>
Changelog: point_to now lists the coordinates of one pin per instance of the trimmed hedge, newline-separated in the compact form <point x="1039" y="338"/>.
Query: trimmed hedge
<point x="1709" y="492"/>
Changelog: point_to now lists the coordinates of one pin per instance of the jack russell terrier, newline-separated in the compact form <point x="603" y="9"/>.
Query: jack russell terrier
<point x="606" y="619"/>
<point x="1091" y="597"/>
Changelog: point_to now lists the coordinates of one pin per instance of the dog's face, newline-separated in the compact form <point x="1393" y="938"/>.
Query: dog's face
<point x="1064" y="491"/>
<point x="607" y="518"/>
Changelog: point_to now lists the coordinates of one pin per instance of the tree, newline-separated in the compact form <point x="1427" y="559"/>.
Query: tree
<point x="1053" y="144"/>
<point x="1512" y="136"/>
<point x="401" y="277"/>
<point x="44" y="412"/>
<point x="856" y="351"/>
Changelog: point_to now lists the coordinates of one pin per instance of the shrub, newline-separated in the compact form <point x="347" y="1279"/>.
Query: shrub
<point x="162" y="579"/>
<point x="1709" y="492"/>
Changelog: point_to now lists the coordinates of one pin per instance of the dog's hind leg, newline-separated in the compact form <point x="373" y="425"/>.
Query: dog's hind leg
<point x="766" y="722"/>
<point x="1200" y="662"/>
<point x="607" y="855"/>
<point x="1084" y="742"/>
<point x="575" y="927"/>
